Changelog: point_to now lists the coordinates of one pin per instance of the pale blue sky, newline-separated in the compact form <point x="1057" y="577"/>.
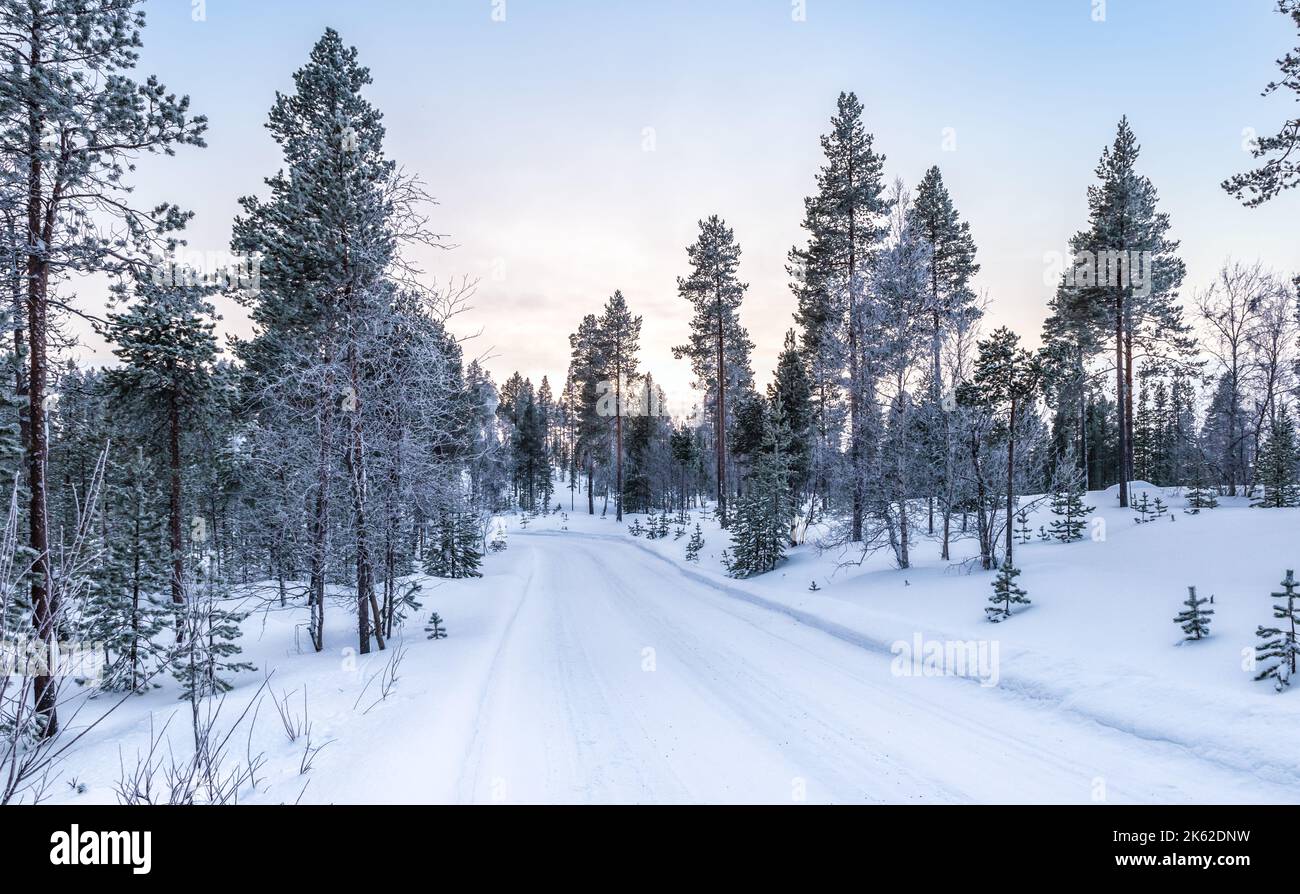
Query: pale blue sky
<point x="530" y="133"/>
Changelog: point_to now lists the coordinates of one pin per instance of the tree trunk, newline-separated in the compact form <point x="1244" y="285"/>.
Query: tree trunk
<point x="367" y="605"/>
<point x="320" y="522"/>
<point x="720" y="417"/>
<point x="1083" y="418"/>
<point x="1120" y="402"/>
<point x="591" y="492"/>
<point x="1128" y="404"/>
<point x="40" y="213"/>
<point x="936" y="392"/>
<point x="618" y="443"/>
<point x="1011" y="477"/>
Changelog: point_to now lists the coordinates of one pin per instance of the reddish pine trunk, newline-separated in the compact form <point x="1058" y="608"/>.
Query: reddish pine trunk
<point x="720" y="422"/>
<point x="40" y="227"/>
<point x="1120" y="401"/>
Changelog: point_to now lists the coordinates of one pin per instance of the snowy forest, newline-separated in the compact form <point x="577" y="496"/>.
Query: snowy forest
<point x="351" y="484"/>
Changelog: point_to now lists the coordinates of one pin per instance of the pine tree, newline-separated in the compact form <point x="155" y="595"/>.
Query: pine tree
<point x="761" y="531"/>
<point x="456" y="553"/>
<point x="661" y="526"/>
<point x="434" y="628"/>
<point x="122" y="609"/>
<point x="1072" y="514"/>
<point x="682" y="445"/>
<point x="207" y="651"/>
<point x="75" y="124"/>
<point x="1277" y="465"/>
<point x="590" y="431"/>
<point x="1279" y="649"/>
<point x="1124" y="224"/>
<point x="695" y="544"/>
<point x="1006" y="380"/>
<point x="325" y="306"/>
<point x="845" y="221"/>
<point x="719" y="345"/>
<point x="1194" y="620"/>
<point x="791" y="386"/>
<point x="950" y="302"/>
<point x="1006" y="593"/>
<point x="1200" y="495"/>
<point x="1282" y="170"/>
<point x="619" y="341"/>
<point x="1142" y="506"/>
<point x="1025" y="532"/>
<point x="166" y="343"/>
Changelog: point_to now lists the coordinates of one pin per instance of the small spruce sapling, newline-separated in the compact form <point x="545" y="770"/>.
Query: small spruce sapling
<point x="661" y="526"/>
<point x="434" y="628"/>
<point x="1278" y="649"/>
<point x="1195" y="620"/>
<point x="1142" y="505"/>
<point x="1071" y="514"/>
<point x="695" y="544"/>
<point x="1024" y="532"/>
<point x="1006" y="593"/>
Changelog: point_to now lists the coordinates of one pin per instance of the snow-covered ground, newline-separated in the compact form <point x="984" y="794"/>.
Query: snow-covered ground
<point x="591" y="666"/>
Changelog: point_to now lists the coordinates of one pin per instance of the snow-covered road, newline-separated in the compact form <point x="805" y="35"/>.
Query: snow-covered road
<point x="623" y="678"/>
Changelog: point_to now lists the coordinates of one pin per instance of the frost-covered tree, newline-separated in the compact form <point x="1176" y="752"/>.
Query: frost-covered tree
<point x="845" y="222"/>
<point x="1231" y="310"/>
<point x="166" y="344"/>
<point x="72" y="124"/>
<point x="951" y="254"/>
<point x="332" y="273"/>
